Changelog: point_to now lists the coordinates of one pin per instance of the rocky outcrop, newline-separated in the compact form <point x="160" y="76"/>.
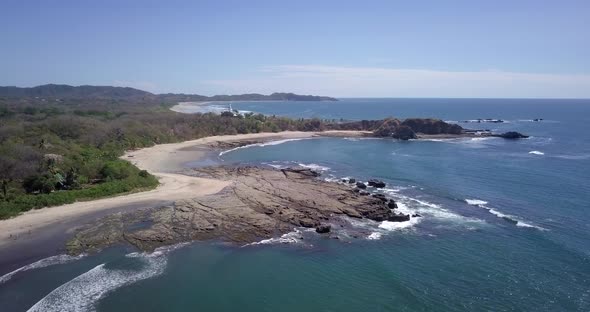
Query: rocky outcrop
<point x="409" y="128"/>
<point x="381" y="197"/>
<point x="306" y="172"/>
<point x="391" y="204"/>
<point x="376" y="183"/>
<point x="323" y="229"/>
<point x="260" y="203"/>
<point x="404" y="133"/>
<point x="361" y="185"/>
<point x="399" y="217"/>
<point x="431" y="126"/>
<point x="387" y="128"/>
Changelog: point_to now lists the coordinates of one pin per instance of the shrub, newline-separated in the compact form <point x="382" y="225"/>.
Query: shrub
<point x="43" y="183"/>
<point x="116" y="170"/>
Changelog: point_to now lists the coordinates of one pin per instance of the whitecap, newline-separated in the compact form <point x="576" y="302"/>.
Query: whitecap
<point x="573" y="157"/>
<point x="536" y="153"/>
<point x="510" y="218"/>
<point x="288" y="238"/>
<point x="409" y="205"/>
<point x="374" y="236"/>
<point x="82" y="292"/>
<point x="527" y="225"/>
<point x="437" y="140"/>
<point x="475" y="202"/>
<point x="49" y="261"/>
<point x="393" y="226"/>
<point x="315" y="167"/>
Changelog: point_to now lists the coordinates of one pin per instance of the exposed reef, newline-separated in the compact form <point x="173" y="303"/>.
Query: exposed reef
<point x="259" y="204"/>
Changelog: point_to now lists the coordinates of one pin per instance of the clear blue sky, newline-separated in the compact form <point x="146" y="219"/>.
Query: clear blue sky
<point x="340" y="48"/>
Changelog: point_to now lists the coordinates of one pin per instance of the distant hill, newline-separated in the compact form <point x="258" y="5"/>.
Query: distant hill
<point x="66" y="91"/>
<point x="126" y="93"/>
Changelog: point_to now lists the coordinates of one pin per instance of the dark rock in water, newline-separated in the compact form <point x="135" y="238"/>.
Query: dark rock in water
<point x="404" y="133"/>
<point x="538" y="119"/>
<point x="416" y="215"/>
<point x="512" y="135"/>
<point x="399" y="217"/>
<point x="351" y="181"/>
<point x="391" y="204"/>
<point x="380" y="197"/>
<point x="344" y="181"/>
<point x="324" y="228"/>
<point x="363" y="193"/>
<point x="361" y="185"/>
<point x="302" y="171"/>
<point x="407" y="129"/>
<point x="431" y="126"/>
<point x="376" y="183"/>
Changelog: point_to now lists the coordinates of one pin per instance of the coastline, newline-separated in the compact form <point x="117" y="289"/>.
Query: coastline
<point x="42" y="232"/>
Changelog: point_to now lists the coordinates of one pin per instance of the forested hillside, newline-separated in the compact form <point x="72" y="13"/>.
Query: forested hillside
<point x="55" y="151"/>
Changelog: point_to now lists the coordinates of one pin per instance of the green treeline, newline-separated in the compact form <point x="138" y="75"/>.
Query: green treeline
<point x="57" y="152"/>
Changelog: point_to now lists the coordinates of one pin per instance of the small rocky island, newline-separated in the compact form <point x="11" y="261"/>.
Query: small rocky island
<point x="260" y="203"/>
<point x="415" y="128"/>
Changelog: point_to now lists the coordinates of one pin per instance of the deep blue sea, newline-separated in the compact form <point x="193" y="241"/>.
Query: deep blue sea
<point x="505" y="226"/>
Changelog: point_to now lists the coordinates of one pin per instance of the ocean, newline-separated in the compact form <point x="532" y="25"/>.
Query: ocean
<point x="505" y="225"/>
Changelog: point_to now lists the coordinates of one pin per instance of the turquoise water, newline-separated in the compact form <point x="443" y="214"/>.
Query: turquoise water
<point x="503" y="229"/>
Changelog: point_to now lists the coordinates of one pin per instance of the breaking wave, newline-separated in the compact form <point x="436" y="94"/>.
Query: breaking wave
<point x="293" y="237"/>
<point x="536" y="153"/>
<point x="82" y="292"/>
<point x="510" y="218"/>
<point x="315" y="167"/>
<point x="277" y="142"/>
<point x="53" y="260"/>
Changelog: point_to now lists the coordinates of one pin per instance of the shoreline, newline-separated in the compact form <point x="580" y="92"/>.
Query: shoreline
<point x="40" y="233"/>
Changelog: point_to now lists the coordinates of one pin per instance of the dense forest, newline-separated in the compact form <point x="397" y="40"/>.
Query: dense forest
<point x="60" y="150"/>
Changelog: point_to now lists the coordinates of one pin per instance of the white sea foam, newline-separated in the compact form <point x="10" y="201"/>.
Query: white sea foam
<point x="374" y="236"/>
<point x="393" y="226"/>
<point x="411" y="205"/>
<point x="527" y="225"/>
<point x="53" y="260"/>
<point x="574" y="157"/>
<point x="438" y="140"/>
<point x="288" y="238"/>
<point x="82" y="292"/>
<point x="536" y="153"/>
<point x="315" y="167"/>
<point x="270" y="143"/>
<point x="499" y="214"/>
<point x="475" y="202"/>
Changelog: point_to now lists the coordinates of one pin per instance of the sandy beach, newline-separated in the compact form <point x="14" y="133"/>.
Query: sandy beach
<point x="161" y="160"/>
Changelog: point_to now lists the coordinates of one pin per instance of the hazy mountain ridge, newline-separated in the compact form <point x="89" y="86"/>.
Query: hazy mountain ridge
<point x="87" y="91"/>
